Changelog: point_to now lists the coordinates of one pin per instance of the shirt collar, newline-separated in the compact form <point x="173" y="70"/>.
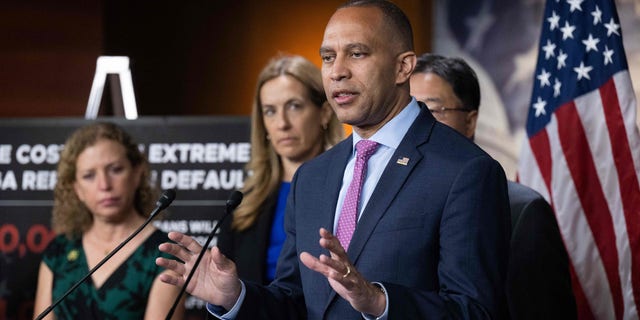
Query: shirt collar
<point x="392" y="132"/>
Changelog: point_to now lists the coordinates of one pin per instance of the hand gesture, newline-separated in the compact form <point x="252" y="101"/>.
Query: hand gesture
<point x="344" y="278"/>
<point x="215" y="280"/>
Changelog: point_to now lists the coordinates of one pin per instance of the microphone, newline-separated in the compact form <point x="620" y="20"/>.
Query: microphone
<point x="232" y="203"/>
<point x="163" y="202"/>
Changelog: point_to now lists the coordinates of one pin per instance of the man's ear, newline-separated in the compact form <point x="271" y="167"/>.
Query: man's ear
<point x="406" y="64"/>
<point x="472" y="120"/>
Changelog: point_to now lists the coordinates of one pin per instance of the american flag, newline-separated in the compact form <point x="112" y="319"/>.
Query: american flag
<point x="583" y="153"/>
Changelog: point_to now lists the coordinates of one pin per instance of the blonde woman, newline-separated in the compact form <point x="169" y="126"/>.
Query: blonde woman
<point x="291" y="123"/>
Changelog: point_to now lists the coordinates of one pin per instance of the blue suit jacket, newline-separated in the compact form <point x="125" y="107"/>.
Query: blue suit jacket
<point x="435" y="232"/>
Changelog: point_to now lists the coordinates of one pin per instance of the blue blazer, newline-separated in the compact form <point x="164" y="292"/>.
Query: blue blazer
<point x="435" y="232"/>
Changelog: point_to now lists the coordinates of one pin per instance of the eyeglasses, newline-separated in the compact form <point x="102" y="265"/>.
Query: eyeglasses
<point x="441" y="111"/>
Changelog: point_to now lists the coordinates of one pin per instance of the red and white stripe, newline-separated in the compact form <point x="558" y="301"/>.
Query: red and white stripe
<point x="586" y="163"/>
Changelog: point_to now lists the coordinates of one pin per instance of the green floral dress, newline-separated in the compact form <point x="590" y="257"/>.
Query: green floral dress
<point x="123" y="295"/>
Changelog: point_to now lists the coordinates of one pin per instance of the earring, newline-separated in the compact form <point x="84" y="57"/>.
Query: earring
<point x="324" y="126"/>
<point x="268" y="137"/>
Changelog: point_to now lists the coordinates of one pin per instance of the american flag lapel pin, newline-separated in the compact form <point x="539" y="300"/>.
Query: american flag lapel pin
<point x="403" y="161"/>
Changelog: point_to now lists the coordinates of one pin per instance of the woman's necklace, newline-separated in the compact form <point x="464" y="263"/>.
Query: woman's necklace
<point x="106" y="247"/>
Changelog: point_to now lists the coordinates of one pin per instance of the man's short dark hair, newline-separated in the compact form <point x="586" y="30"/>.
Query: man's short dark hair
<point x="393" y="15"/>
<point x="457" y="73"/>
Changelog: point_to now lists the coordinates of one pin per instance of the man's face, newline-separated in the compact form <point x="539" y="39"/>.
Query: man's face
<point x="446" y="107"/>
<point x="359" y="68"/>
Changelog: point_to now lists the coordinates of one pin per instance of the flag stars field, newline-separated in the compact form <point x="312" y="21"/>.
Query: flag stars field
<point x="583" y="71"/>
<point x="591" y="43"/>
<point x="549" y="49"/>
<point x="554" y="21"/>
<point x="556" y="88"/>
<point x="544" y="78"/>
<point x="562" y="58"/>
<point x="608" y="55"/>
<point x="612" y="28"/>
<point x="567" y="31"/>
<point x="597" y="16"/>
<point x="539" y="107"/>
<point x="575" y="5"/>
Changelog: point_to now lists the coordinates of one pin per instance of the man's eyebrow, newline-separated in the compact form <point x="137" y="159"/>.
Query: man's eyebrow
<point x="324" y="50"/>
<point x="349" y="47"/>
<point x="357" y="46"/>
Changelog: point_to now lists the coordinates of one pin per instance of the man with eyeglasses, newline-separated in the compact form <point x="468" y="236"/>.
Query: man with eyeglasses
<point x="449" y="88"/>
<point x="538" y="279"/>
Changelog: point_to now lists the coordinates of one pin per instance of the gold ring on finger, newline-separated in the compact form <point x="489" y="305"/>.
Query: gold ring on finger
<point x="347" y="273"/>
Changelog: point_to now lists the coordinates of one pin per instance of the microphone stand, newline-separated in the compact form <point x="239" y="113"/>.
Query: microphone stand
<point x="232" y="203"/>
<point x="164" y="201"/>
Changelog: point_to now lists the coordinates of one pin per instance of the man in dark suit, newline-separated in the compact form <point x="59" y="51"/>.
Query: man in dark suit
<point x="538" y="279"/>
<point x="432" y="217"/>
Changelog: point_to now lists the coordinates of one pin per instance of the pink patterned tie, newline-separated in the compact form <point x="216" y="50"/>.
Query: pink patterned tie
<point x="349" y="213"/>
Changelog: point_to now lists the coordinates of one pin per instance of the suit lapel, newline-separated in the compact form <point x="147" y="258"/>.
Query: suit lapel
<point x="400" y="166"/>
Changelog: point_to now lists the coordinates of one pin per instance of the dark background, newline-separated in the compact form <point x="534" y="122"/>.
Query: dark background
<point x="191" y="57"/>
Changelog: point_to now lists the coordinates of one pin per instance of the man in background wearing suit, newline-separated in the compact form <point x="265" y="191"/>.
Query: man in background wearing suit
<point x="431" y="219"/>
<point x="538" y="279"/>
